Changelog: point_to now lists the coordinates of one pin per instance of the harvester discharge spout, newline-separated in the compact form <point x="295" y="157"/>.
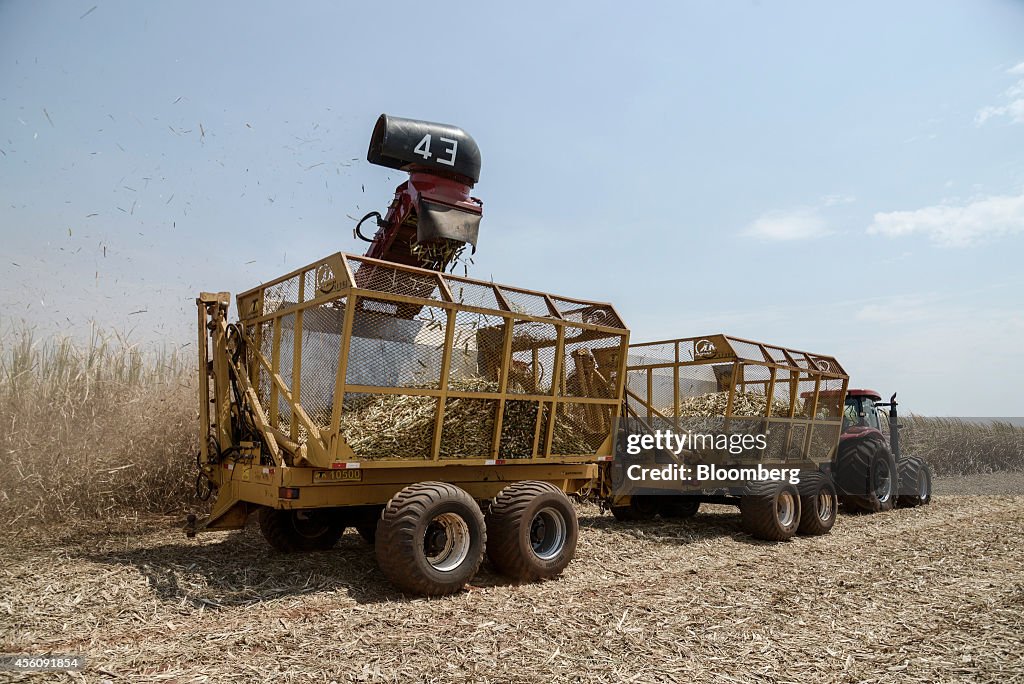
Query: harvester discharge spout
<point x="432" y="216"/>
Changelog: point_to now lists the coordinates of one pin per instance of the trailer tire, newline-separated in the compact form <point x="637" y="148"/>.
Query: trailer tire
<point x="430" y="539"/>
<point x="680" y="506"/>
<point x="770" y="510"/>
<point x="818" y="503"/>
<point x="532" y="531"/>
<point x="915" y="482"/>
<point x="640" y="507"/>
<point x="290" y="531"/>
<point x="866" y="475"/>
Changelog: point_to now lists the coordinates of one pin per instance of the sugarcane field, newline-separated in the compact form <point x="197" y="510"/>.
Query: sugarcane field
<point x="723" y="388"/>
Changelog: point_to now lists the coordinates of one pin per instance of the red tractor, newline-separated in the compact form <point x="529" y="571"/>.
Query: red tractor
<point x="869" y="472"/>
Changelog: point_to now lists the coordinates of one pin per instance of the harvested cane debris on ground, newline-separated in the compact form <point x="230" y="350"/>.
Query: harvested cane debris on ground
<point x="666" y="600"/>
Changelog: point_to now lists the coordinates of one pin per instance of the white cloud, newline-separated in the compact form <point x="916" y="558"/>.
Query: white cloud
<point x="956" y="226"/>
<point x="899" y="310"/>
<point x="1014" y="106"/>
<point x="802" y="223"/>
<point x="781" y="226"/>
<point x="1014" y="110"/>
<point x="833" y="200"/>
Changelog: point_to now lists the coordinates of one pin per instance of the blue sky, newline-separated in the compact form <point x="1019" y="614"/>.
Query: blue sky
<point x="845" y="179"/>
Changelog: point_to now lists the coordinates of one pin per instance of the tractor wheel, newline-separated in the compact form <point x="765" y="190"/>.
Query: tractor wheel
<point x="430" y="539"/>
<point x="818" y="504"/>
<point x="531" y="531"/>
<point x="315" y="529"/>
<point x="770" y="510"/>
<point x="640" y="507"/>
<point x="915" y="482"/>
<point x="866" y="475"/>
<point x="925" y="492"/>
<point x="681" y="506"/>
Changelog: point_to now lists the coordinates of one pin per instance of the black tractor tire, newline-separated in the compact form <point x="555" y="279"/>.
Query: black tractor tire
<point x="866" y="476"/>
<point x="532" y="531"/>
<point x="640" y="507"/>
<point x="430" y="539"/>
<point x="680" y="506"/>
<point x="770" y="510"/>
<point x="818" y="503"/>
<point x="926" y="496"/>
<point x="915" y="483"/>
<point x="291" y="531"/>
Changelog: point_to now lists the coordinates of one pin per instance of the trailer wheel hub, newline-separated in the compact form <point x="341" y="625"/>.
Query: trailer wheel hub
<point x="785" y="508"/>
<point x="446" y="542"/>
<point x="547" y="533"/>
<point x="824" y="505"/>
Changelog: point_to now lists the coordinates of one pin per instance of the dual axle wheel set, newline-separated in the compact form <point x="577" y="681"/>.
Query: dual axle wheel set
<point x="869" y="478"/>
<point x="431" y="537"/>
<point x="769" y="510"/>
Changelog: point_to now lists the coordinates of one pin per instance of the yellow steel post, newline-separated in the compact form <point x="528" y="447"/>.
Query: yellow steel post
<point x="351" y="303"/>
<point x="204" y="383"/>
<point x="446" y="360"/>
<point x="503" y="373"/>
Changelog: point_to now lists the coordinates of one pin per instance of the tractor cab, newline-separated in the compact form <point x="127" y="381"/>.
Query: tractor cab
<point x="864" y="413"/>
<point x="861" y="410"/>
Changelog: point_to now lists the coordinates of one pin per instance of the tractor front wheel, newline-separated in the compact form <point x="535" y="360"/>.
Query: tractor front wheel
<point x="915" y="482"/>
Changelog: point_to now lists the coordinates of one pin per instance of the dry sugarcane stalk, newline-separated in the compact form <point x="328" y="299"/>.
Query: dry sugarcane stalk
<point x="715" y="403"/>
<point x="438" y="254"/>
<point x="402" y="426"/>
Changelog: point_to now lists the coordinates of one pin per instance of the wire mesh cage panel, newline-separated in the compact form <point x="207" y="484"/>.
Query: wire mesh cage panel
<point x="321" y="349"/>
<point x="358" y="359"/>
<point x="386" y="350"/>
<point x="477" y="345"/>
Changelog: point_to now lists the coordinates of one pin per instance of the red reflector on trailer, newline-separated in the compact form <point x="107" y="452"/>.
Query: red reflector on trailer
<point x="288" y="492"/>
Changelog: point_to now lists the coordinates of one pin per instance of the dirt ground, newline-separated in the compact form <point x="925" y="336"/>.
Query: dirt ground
<point x="918" y="595"/>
